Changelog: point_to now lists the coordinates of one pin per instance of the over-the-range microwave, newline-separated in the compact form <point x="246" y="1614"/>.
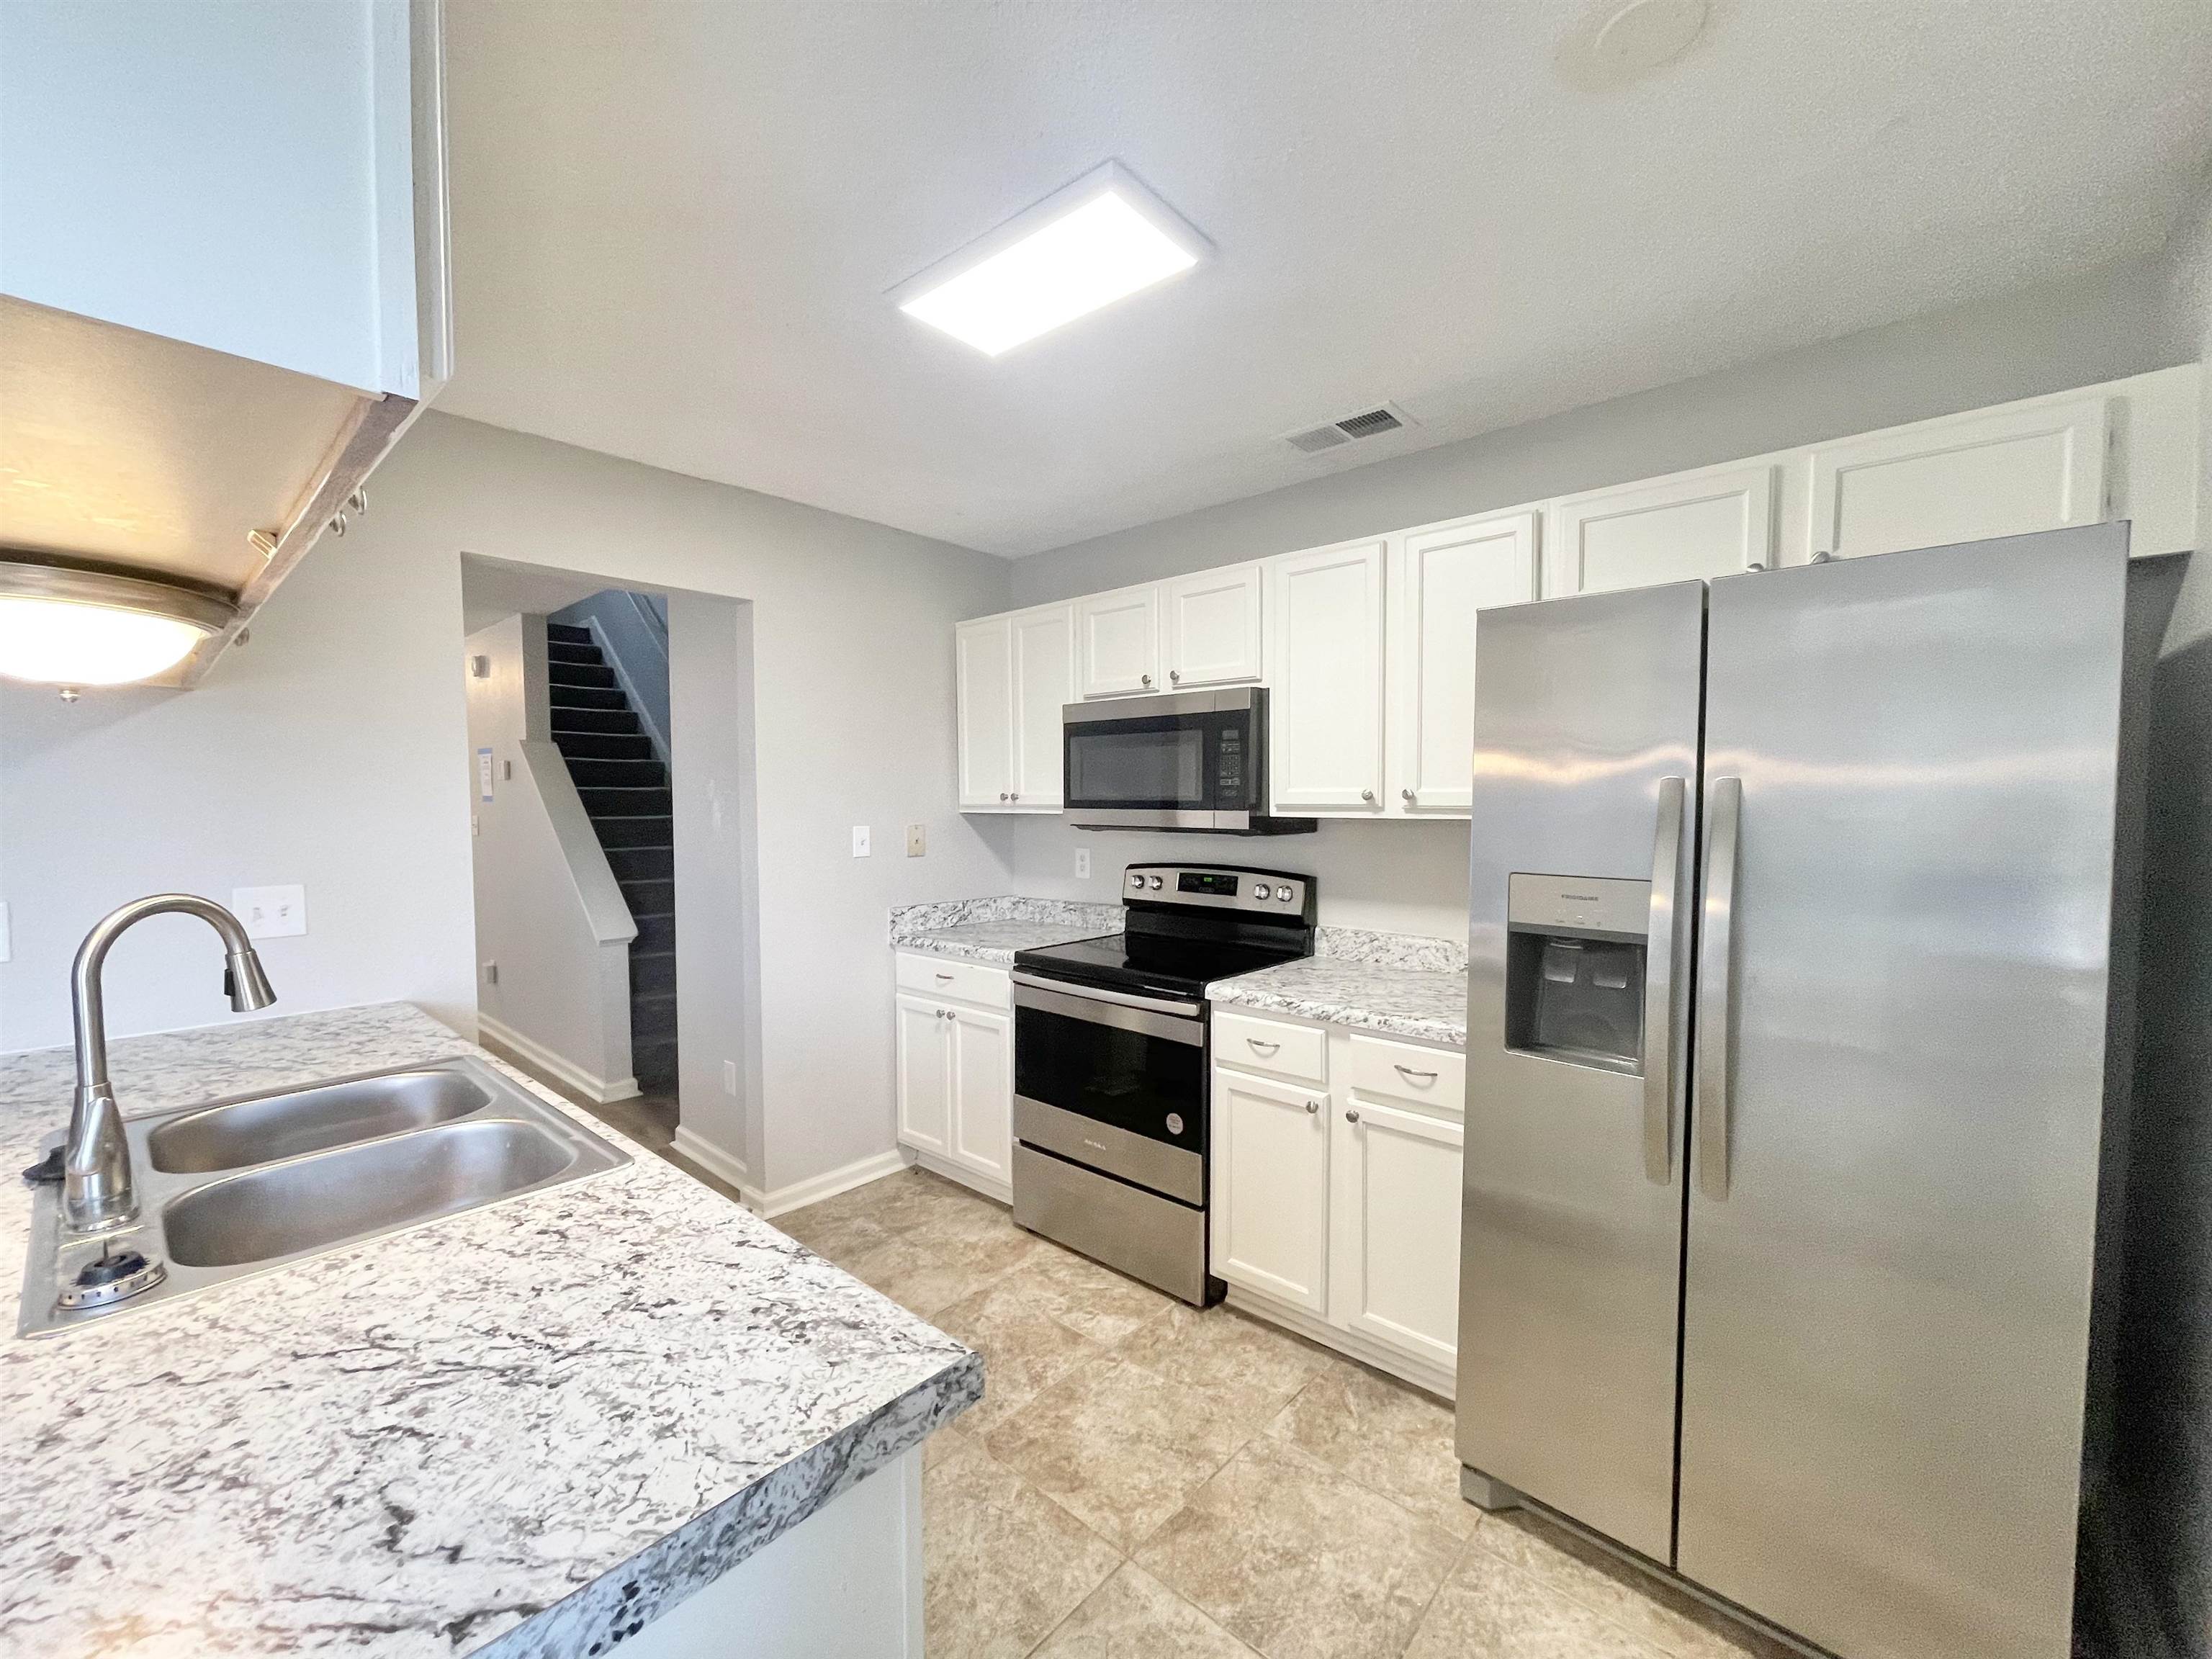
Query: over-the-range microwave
<point x="1186" y="760"/>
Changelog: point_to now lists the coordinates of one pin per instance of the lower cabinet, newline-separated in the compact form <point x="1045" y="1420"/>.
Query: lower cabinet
<point x="1269" y="1201"/>
<point x="1336" y="1205"/>
<point x="956" y="1084"/>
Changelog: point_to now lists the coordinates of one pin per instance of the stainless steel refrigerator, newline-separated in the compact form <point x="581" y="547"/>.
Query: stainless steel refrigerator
<point x="1791" y="955"/>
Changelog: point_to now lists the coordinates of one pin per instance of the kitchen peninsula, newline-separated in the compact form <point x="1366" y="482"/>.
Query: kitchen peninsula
<point x="531" y="1429"/>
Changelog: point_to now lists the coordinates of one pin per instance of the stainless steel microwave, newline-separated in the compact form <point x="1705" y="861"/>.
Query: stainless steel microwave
<point x="1189" y="760"/>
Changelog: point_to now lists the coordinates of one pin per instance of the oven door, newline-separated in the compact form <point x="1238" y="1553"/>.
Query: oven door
<point x="1192" y="761"/>
<point x="1114" y="1081"/>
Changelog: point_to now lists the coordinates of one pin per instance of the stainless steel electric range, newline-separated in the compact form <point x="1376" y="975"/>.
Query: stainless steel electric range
<point x="1111" y="1067"/>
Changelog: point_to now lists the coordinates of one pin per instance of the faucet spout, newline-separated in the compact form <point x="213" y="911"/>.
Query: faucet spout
<point x="98" y="1189"/>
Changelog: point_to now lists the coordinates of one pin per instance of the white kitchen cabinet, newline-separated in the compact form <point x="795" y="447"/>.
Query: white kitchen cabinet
<point x="925" y="1076"/>
<point x="1214" y="627"/>
<point x="1270" y="1188"/>
<point x="983" y="686"/>
<point x="1394" y="1267"/>
<point x="1713" y="522"/>
<point x="982" y="1092"/>
<point x="1999" y="472"/>
<point x="1440" y="577"/>
<point x="1324" y="651"/>
<point x="1043" y="642"/>
<point x="1117" y="639"/>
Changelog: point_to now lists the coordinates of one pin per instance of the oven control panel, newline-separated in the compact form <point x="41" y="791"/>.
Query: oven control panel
<point x="1215" y="886"/>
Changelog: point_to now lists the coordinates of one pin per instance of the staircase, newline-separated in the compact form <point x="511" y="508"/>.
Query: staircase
<point x="625" y="790"/>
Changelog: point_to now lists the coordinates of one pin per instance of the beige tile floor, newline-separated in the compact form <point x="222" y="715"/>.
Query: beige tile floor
<point x="1145" y="1481"/>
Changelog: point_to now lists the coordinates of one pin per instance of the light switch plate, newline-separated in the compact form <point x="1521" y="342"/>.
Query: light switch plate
<point x="270" y="911"/>
<point x="729" y="1076"/>
<point x="7" y="935"/>
<point x="917" y="840"/>
<point x="860" y="841"/>
<point x="1083" y="862"/>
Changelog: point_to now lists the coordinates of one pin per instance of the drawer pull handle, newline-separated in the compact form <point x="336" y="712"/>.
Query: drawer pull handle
<point x="1419" y="1077"/>
<point x="947" y="978"/>
<point x="1264" y="1048"/>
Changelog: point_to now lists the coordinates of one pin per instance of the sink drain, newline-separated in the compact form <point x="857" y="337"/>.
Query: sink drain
<point x="117" y="1275"/>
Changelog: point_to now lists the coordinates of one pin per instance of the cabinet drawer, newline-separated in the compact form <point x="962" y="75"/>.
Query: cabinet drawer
<point x="1435" y="1077"/>
<point x="1271" y="1048"/>
<point x="962" y="981"/>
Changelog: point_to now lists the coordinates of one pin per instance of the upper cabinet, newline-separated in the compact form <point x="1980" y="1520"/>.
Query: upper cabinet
<point x="1118" y="642"/>
<point x="1715" y="522"/>
<point x="2002" y="472"/>
<point x="1324" y="650"/>
<point x="1440" y="578"/>
<point x="1367" y="648"/>
<point x="1012" y="674"/>
<point x="1214" y="627"/>
<point x="218" y="314"/>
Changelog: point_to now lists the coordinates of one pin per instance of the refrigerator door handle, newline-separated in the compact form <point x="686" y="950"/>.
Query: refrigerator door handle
<point x="1662" y="985"/>
<point x="1716" y="988"/>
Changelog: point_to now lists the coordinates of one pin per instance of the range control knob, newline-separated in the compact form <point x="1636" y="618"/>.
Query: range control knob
<point x="1260" y="890"/>
<point x="1135" y="880"/>
<point x="1152" y="882"/>
<point x="1284" y="894"/>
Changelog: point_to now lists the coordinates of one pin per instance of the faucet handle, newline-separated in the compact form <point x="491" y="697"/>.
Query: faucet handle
<point x="46" y="1172"/>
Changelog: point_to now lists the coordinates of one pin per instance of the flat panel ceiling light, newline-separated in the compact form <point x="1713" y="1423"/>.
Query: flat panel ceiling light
<point x="69" y="625"/>
<point x="1103" y="238"/>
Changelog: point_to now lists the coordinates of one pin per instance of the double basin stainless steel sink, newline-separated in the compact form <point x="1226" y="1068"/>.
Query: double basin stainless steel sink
<point x="237" y="1186"/>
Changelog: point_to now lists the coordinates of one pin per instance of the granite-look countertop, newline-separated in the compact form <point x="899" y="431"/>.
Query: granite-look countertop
<point x="517" y="1431"/>
<point x="1370" y="990"/>
<point x="990" y="930"/>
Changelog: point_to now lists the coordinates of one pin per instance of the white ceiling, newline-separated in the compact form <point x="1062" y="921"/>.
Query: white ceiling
<point x="675" y="224"/>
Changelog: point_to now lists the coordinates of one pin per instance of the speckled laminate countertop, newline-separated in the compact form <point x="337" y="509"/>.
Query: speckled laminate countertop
<point x="1424" y="1004"/>
<point x="513" y="1431"/>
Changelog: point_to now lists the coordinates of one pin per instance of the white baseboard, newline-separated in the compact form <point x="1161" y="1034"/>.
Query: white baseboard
<point x="813" y="1190"/>
<point x="1421" y="1373"/>
<point x="998" y="1190"/>
<point x="719" y="1163"/>
<point x="598" y="1090"/>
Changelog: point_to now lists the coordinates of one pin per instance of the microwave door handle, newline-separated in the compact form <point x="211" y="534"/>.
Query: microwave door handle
<point x="1716" y="988"/>
<point x="1662" y="983"/>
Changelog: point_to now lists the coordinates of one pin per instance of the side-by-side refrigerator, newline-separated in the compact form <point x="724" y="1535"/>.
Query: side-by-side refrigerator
<point x="1791" y="952"/>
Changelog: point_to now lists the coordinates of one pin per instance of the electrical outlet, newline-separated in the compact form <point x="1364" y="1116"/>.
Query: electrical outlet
<point x="491" y="973"/>
<point x="729" y="1076"/>
<point x="270" y="911"/>
<point x="1082" y="863"/>
<point x="860" y="841"/>
<point x="917" y="840"/>
<point x="7" y="935"/>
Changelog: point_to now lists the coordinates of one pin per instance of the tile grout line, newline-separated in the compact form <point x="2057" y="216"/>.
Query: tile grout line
<point x="1413" y="1632"/>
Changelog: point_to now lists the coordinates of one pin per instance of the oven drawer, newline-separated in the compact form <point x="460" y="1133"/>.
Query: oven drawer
<point x="1435" y="1078"/>
<point x="961" y="981"/>
<point x="1271" y="1048"/>
<point x="1164" y="1167"/>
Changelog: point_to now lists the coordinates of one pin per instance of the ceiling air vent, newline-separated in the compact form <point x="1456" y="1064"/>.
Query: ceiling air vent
<point x="1368" y="423"/>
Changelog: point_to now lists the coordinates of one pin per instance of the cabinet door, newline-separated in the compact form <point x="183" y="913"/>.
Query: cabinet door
<point x="982" y="1092"/>
<point x="1270" y="1198"/>
<point x="1695" y="524"/>
<point x="1397" y="1274"/>
<point x="983" y="678"/>
<point x="1325" y="677"/>
<point x="1439" y="579"/>
<point x="1961" y="479"/>
<point x="1045" y="683"/>
<point x="1214" y="627"/>
<point x="925" y="1075"/>
<point x="1118" y="640"/>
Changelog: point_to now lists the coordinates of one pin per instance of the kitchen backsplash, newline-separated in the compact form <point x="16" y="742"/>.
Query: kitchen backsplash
<point x="908" y="919"/>
<point x="1439" y="956"/>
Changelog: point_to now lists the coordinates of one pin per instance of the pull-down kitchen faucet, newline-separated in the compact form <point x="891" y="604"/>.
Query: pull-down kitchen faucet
<point x="97" y="1188"/>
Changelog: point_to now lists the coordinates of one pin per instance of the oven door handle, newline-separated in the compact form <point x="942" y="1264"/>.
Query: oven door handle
<point x="1145" y="1015"/>
<point x="1125" y="999"/>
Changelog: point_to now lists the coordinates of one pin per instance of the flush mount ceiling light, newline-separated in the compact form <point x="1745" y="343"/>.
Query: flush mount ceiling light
<point x="72" y="625"/>
<point x="1102" y="238"/>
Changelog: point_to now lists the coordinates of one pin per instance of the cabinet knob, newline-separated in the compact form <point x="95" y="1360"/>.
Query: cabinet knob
<point x="1367" y="794"/>
<point x="1312" y="1106"/>
<point x="1407" y="795"/>
<point x="1144" y="680"/>
<point x="1175" y="676"/>
<point x="1352" y="1117"/>
<point x="1002" y="794"/>
<point x="1017" y="795"/>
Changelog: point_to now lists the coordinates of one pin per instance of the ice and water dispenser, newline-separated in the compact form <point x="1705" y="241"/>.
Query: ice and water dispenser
<point x="1574" y="969"/>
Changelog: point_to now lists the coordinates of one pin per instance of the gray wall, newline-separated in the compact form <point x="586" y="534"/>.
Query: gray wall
<point x="2164" y="1361"/>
